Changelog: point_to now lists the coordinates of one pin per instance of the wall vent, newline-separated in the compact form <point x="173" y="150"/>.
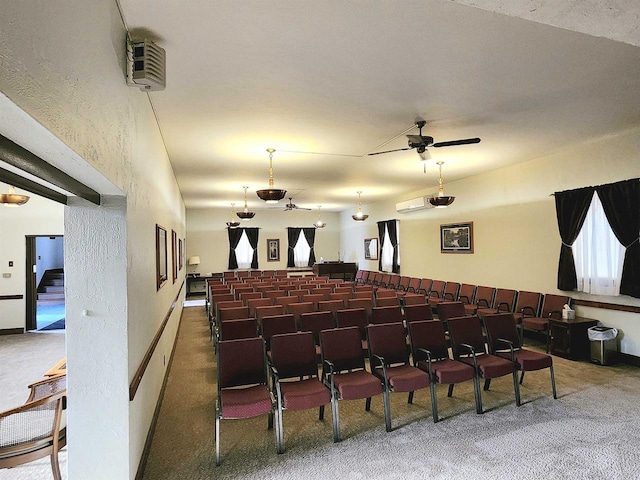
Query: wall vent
<point x="146" y="65"/>
<point x="413" y="205"/>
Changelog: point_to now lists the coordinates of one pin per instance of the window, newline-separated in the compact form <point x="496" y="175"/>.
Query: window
<point x="244" y="252"/>
<point x="598" y="254"/>
<point x="301" y="251"/>
<point x="387" y="248"/>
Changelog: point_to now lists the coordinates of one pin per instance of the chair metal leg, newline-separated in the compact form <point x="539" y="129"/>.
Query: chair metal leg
<point x="548" y="338"/>
<point x="279" y="429"/>
<point x="55" y="466"/>
<point x="553" y="383"/>
<point x="450" y="392"/>
<point x="336" y="418"/>
<point x="410" y="399"/>
<point x="516" y="386"/>
<point x="321" y="413"/>
<point x="367" y="405"/>
<point x="387" y="410"/>
<point x="217" y="439"/>
<point x="478" y="392"/>
<point x="270" y="421"/>
<point x="521" y="377"/>
<point x="487" y="384"/>
<point x="434" y="402"/>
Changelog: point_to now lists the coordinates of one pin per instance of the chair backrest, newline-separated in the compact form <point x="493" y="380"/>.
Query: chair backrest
<point x="245" y="296"/>
<point x="437" y="289"/>
<point x="294" y="354"/>
<point x="324" y="291"/>
<point x="242" y="273"/>
<point x="403" y="284"/>
<point x="414" y="285"/>
<point x="314" y="298"/>
<point x="342" y="347"/>
<point x="267" y="311"/>
<point x="384" y="281"/>
<point x="232" y="313"/>
<point x="237" y="290"/>
<point x="388" y="341"/>
<point x="466" y="330"/>
<point x="484" y="296"/>
<point x="274" y="324"/>
<point x="414" y="299"/>
<point x="553" y="305"/>
<point x="299" y="293"/>
<point x="366" y="303"/>
<point x="528" y="303"/>
<point x="428" y="335"/>
<point x="221" y="297"/>
<point x="447" y="310"/>
<point x="414" y="313"/>
<point x="391" y="314"/>
<point x="362" y="294"/>
<point x="341" y="296"/>
<point x="426" y="285"/>
<point x="241" y="328"/>
<point x="299" y="308"/>
<point x="450" y="292"/>
<point x="466" y="293"/>
<point x="359" y="275"/>
<point x="343" y="289"/>
<point x="500" y="326"/>
<point x="315" y="322"/>
<point x="377" y="278"/>
<point x="241" y="362"/>
<point x="258" y="302"/>
<point x="387" y="301"/>
<point x="330" y="306"/>
<point x="353" y="317"/>
<point x="365" y="276"/>
<point x="393" y="282"/>
<point x="285" y="301"/>
<point x="385" y="292"/>
<point x="228" y="275"/>
<point x="273" y="293"/>
<point x="504" y="299"/>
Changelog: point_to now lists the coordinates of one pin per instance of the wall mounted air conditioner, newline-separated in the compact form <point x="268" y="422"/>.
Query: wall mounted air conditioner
<point x="414" y="205"/>
<point x="146" y="65"/>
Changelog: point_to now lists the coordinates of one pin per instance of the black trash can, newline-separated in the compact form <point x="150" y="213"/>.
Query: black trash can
<point x="604" y="345"/>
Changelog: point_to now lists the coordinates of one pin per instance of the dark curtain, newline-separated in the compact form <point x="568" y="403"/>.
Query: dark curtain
<point x="310" y="236"/>
<point x="571" y="209"/>
<point x="252" y="236"/>
<point x="621" y="204"/>
<point x="392" y="226"/>
<point x="234" y="239"/>
<point x="293" y="233"/>
<point x="381" y="235"/>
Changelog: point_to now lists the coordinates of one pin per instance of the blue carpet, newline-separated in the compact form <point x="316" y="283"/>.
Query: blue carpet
<point x="59" y="325"/>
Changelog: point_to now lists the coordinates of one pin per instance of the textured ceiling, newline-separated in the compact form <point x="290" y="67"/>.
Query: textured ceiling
<point x="338" y="79"/>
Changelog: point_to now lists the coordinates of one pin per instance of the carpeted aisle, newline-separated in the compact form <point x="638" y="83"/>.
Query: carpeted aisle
<point x="591" y="432"/>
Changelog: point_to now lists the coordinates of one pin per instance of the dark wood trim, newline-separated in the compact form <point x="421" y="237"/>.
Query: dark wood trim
<point x="17" y="181"/>
<point x="11" y="331"/>
<point x="137" y="378"/>
<point x="11" y="297"/>
<point x="23" y="159"/>
<point x="629" y="359"/>
<point x="606" y="306"/>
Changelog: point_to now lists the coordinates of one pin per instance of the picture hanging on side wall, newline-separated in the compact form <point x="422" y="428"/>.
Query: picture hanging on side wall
<point x="371" y="249"/>
<point x="456" y="238"/>
<point x="161" y="256"/>
<point x="174" y="255"/>
<point x="180" y="254"/>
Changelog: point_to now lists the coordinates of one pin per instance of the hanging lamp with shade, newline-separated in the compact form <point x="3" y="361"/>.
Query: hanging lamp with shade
<point x="319" y="223"/>
<point x="245" y="214"/>
<point x="232" y="223"/>
<point x="13" y="199"/>
<point x="271" y="194"/>
<point x="441" y="200"/>
<point x="359" y="216"/>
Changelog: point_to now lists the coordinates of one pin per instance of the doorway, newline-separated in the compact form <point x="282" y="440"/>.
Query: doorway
<point x="45" y="283"/>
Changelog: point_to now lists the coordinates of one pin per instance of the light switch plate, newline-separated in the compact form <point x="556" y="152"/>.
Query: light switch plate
<point x="6" y="275"/>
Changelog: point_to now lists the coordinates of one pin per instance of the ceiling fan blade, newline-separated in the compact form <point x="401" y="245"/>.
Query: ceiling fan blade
<point x="389" y="151"/>
<point x="303" y="208"/>
<point x="451" y="143"/>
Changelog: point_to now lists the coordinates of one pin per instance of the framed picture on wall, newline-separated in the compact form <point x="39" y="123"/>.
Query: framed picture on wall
<point x="161" y="256"/>
<point x="180" y="259"/>
<point x="456" y="238"/>
<point x="174" y="255"/>
<point x="371" y="249"/>
<point x="273" y="250"/>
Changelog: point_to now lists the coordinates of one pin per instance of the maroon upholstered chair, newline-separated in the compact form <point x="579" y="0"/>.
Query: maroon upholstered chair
<point x="414" y="285"/>
<point x="414" y="299"/>
<point x="355" y="317"/>
<point x="232" y="313"/>
<point x="447" y="310"/>
<point x="414" y="313"/>
<point x="504" y="341"/>
<point x="385" y="292"/>
<point x="391" y="314"/>
<point x="467" y="343"/>
<point x="366" y="303"/>
<point x="483" y="299"/>
<point x="275" y="324"/>
<point x="330" y="306"/>
<point x="314" y="298"/>
<point x="343" y="371"/>
<point x="389" y="362"/>
<point x="436" y="293"/>
<point x="325" y="291"/>
<point x="466" y="293"/>
<point x="403" y="283"/>
<point x="244" y="296"/>
<point x="359" y="276"/>
<point x="551" y="308"/>
<point x="368" y="294"/>
<point x="527" y="305"/>
<point x="387" y="302"/>
<point x="299" y="308"/>
<point x="344" y="296"/>
<point x="315" y="322"/>
<point x="258" y="302"/>
<point x="241" y="328"/>
<point x="377" y="278"/>
<point x="295" y="377"/>
<point x="430" y="350"/>
<point x="503" y="301"/>
<point x="243" y="390"/>
<point x="285" y="301"/>
<point x="342" y="289"/>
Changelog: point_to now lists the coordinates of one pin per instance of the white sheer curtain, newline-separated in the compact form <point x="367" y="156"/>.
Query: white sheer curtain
<point x="386" y="252"/>
<point x="301" y="252"/>
<point x="244" y="252"/>
<point x="598" y="254"/>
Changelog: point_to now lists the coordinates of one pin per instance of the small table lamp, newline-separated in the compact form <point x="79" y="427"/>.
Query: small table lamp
<point x="195" y="260"/>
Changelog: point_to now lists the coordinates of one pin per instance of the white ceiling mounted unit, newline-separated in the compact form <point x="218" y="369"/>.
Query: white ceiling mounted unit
<point x="146" y="65"/>
<point x="413" y="205"/>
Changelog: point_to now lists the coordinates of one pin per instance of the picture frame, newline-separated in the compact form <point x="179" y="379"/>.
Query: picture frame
<point x="174" y="255"/>
<point x="371" y="248"/>
<point x="180" y="255"/>
<point x="456" y="238"/>
<point x="161" y="256"/>
<point x="273" y="250"/>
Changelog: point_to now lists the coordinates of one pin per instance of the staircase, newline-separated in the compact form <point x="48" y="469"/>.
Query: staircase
<point x="51" y="288"/>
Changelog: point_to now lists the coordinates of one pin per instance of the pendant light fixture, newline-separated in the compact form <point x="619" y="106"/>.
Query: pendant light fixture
<point x="233" y="223"/>
<point x="245" y="214"/>
<point x="442" y="200"/>
<point x="319" y="223"/>
<point x="12" y="199"/>
<point x="271" y="195"/>
<point x="359" y="217"/>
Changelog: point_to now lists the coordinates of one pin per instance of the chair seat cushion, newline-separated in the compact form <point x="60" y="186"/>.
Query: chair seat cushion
<point x="406" y="378"/>
<point x="245" y="402"/>
<point x="535" y="323"/>
<point x="304" y="394"/>
<point x="359" y="384"/>
<point x="449" y="371"/>
<point x="529" y="360"/>
<point x="470" y="309"/>
<point x="491" y="366"/>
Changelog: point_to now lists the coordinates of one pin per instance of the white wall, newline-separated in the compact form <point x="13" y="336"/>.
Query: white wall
<point x="516" y="240"/>
<point x="63" y="67"/>
<point x="207" y="236"/>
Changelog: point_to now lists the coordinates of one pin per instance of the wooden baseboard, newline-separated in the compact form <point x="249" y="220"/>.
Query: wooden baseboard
<point x="11" y="331"/>
<point x="629" y="359"/>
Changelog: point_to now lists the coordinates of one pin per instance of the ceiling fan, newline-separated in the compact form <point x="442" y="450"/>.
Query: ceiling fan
<point x="292" y="206"/>
<point x="422" y="142"/>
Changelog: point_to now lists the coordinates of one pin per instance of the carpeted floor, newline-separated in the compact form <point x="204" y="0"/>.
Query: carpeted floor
<point x="591" y="432"/>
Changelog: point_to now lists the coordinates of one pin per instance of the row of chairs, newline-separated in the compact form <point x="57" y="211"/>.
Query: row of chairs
<point x="532" y="310"/>
<point x="252" y="382"/>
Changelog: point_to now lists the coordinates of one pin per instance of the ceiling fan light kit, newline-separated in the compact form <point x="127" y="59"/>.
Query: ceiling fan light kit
<point x="271" y="195"/>
<point x="12" y="199"/>
<point x="246" y="214"/>
<point x="319" y="223"/>
<point x="359" y="216"/>
<point x="232" y="223"/>
<point x="441" y="200"/>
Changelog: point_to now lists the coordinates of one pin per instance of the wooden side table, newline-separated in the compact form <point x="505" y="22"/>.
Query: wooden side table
<point x="569" y="338"/>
